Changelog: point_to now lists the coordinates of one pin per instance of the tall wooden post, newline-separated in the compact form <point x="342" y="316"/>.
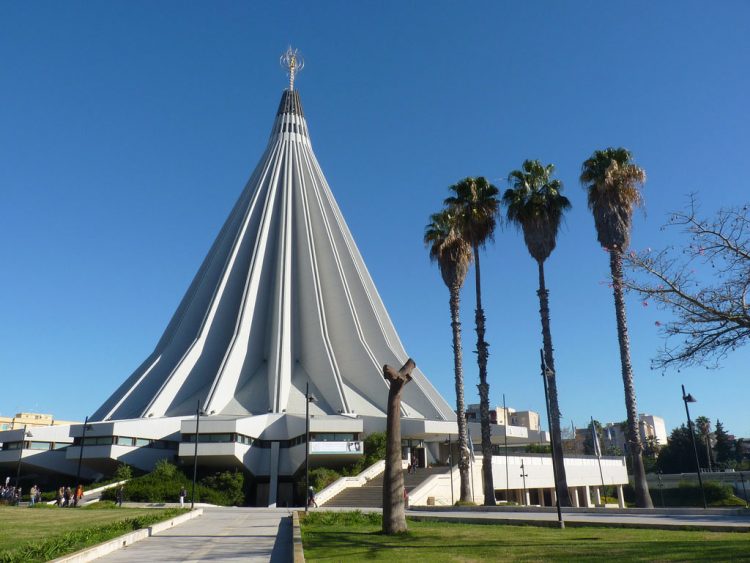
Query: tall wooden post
<point x="394" y="519"/>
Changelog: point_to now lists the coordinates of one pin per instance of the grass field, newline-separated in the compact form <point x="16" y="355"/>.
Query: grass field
<point x="356" y="537"/>
<point x="37" y="534"/>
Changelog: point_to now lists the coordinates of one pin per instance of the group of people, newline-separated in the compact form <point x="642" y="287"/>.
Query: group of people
<point x="10" y="495"/>
<point x="67" y="497"/>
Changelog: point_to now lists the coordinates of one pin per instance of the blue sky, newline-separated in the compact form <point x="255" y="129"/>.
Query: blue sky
<point x="128" y="129"/>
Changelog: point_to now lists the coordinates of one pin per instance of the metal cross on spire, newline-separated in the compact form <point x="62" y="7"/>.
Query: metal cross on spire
<point x="292" y="62"/>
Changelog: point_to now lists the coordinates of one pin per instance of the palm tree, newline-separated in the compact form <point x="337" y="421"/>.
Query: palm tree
<point x="613" y="183"/>
<point x="453" y="255"/>
<point x="475" y="205"/>
<point x="535" y="205"/>
<point x="704" y="427"/>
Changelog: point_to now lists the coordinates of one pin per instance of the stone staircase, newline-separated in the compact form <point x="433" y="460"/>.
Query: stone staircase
<point x="370" y="495"/>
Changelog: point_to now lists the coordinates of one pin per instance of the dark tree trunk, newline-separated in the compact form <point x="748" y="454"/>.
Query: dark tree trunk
<point x="484" y="392"/>
<point x="635" y="448"/>
<point x="458" y="370"/>
<point x="554" y="406"/>
<point x="394" y="519"/>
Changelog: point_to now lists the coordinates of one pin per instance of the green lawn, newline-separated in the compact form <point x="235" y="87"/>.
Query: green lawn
<point x="37" y="534"/>
<point x="352" y="537"/>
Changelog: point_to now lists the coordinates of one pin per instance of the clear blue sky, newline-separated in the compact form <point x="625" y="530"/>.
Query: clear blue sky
<point x="128" y="129"/>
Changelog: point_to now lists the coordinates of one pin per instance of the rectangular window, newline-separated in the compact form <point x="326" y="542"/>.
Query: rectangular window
<point x="39" y="445"/>
<point x="124" y="441"/>
<point x="142" y="442"/>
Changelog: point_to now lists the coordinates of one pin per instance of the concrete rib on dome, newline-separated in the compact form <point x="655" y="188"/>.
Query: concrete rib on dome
<point x="282" y="299"/>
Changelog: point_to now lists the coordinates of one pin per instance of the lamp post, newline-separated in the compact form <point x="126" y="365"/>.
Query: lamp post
<point x="524" y="475"/>
<point x="308" y="399"/>
<point x="195" y="455"/>
<point x="546" y="371"/>
<point x="450" y="466"/>
<point x="688" y="398"/>
<point x="20" y="457"/>
<point x="80" y="459"/>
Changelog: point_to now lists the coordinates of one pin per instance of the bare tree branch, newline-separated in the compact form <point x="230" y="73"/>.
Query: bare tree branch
<point x="704" y="284"/>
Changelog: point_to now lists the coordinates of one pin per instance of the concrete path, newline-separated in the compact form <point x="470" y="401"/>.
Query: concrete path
<point x="734" y="522"/>
<point x="221" y="534"/>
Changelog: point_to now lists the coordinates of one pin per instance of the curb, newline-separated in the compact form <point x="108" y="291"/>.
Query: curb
<point x="299" y="553"/>
<point x="99" y="550"/>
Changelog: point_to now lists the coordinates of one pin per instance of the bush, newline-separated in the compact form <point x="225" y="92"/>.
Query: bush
<point x="163" y="484"/>
<point x="321" y="477"/>
<point x="688" y="494"/>
<point x="123" y="472"/>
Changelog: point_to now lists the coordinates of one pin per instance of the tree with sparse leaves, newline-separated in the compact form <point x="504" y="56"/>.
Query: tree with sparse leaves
<point x="704" y="283"/>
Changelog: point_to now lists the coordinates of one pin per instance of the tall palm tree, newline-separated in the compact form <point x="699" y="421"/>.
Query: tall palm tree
<point x="613" y="183"/>
<point x="475" y="205"/>
<point x="535" y="204"/>
<point x="453" y="255"/>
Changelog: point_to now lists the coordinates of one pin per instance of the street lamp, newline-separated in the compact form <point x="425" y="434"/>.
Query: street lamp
<point x="524" y="475"/>
<point x="547" y="372"/>
<point x="20" y="456"/>
<point x="688" y="398"/>
<point x="80" y="459"/>
<point x="198" y="413"/>
<point x="308" y="399"/>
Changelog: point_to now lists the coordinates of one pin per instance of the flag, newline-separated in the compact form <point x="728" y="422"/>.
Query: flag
<point x="595" y="439"/>
<point x="471" y="443"/>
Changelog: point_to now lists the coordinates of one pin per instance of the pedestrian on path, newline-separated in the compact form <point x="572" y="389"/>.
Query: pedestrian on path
<point x="311" y="498"/>
<point x="118" y="496"/>
<point x="183" y="494"/>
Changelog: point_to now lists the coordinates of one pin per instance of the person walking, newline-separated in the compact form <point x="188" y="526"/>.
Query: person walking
<point x="311" y="497"/>
<point x="32" y="496"/>
<point x="78" y="495"/>
<point x="183" y="494"/>
<point x="119" y="496"/>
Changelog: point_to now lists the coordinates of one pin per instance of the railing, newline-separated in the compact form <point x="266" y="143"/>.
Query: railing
<point x="343" y="483"/>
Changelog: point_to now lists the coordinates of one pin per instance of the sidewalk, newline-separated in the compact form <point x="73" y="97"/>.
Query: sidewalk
<point x="221" y="534"/>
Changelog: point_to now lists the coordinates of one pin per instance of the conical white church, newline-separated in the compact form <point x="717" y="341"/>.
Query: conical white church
<point x="282" y="303"/>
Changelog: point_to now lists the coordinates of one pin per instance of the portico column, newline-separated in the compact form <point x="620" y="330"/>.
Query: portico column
<point x="587" y="496"/>
<point x="553" y="496"/>
<point x="574" y="496"/>
<point x="540" y="492"/>
<point x="620" y="497"/>
<point x="527" y="499"/>
<point x="597" y="495"/>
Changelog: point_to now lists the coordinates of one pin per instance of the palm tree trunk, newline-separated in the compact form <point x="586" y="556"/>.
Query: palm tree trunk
<point x="484" y="391"/>
<point x="463" y="450"/>
<point x="394" y="518"/>
<point x="554" y="406"/>
<point x="635" y="448"/>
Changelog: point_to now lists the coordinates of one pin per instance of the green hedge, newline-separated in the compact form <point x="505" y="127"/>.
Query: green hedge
<point x="689" y="494"/>
<point x="165" y="482"/>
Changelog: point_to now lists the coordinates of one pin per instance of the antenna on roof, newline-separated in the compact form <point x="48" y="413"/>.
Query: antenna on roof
<point x="292" y="62"/>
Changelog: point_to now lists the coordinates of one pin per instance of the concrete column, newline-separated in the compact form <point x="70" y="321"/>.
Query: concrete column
<point x="527" y="498"/>
<point x="597" y="495"/>
<point x="587" y="496"/>
<point x="574" y="496"/>
<point x="541" y="496"/>
<point x="553" y="496"/>
<point x="274" y="472"/>
<point x="620" y="497"/>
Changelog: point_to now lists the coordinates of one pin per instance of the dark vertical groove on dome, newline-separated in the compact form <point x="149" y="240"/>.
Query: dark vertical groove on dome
<point x="290" y="103"/>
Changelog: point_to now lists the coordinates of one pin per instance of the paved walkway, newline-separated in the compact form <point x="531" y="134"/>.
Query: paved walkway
<point x="221" y="534"/>
<point x="738" y="522"/>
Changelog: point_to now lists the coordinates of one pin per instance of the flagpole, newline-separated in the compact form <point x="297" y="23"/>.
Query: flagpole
<point x="505" y="431"/>
<point x="598" y="452"/>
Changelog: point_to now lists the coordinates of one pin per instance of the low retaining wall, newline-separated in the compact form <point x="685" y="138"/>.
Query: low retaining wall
<point x="299" y="552"/>
<point x="91" y="553"/>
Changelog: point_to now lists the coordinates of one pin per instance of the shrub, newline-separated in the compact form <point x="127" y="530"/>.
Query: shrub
<point x="321" y="477"/>
<point x="123" y="472"/>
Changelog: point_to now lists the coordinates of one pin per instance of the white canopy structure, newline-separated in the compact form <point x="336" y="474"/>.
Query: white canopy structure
<point x="283" y="299"/>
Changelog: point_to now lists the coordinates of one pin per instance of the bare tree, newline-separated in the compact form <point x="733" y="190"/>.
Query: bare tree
<point x="704" y="283"/>
<point x="394" y="518"/>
